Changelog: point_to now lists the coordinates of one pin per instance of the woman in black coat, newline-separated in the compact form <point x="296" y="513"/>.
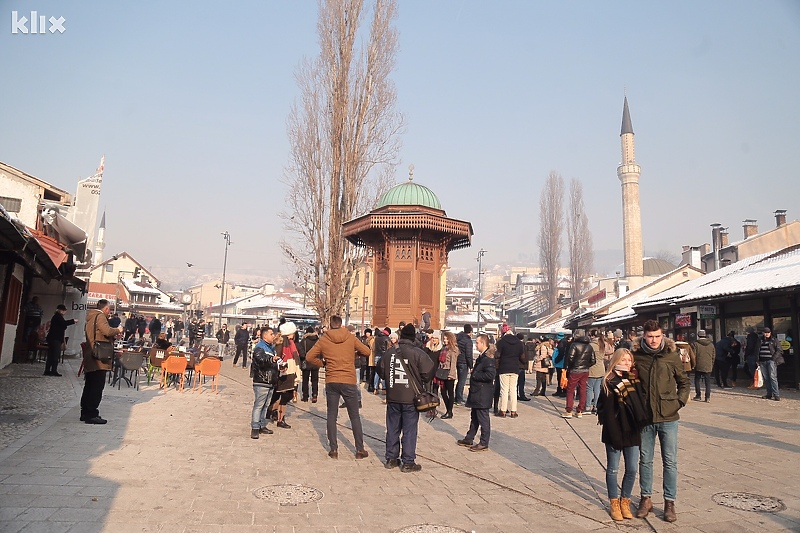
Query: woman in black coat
<point x="622" y="413"/>
<point x="481" y="396"/>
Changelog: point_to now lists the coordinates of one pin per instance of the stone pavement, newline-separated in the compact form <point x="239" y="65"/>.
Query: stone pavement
<point x="184" y="462"/>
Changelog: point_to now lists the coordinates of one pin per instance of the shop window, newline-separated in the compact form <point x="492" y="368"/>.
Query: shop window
<point x="109" y="267"/>
<point x="740" y="324"/>
<point x="779" y="302"/>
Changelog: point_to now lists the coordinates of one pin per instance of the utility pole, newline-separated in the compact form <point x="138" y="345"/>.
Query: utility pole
<point x="481" y="252"/>
<point x="227" y="237"/>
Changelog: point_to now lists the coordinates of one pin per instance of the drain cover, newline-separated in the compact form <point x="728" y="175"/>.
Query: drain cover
<point x="430" y="528"/>
<point x="289" y="494"/>
<point x="746" y="501"/>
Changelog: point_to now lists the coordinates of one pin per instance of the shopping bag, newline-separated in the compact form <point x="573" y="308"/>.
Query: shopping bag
<point x="564" y="380"/>
<point x="758" y="380"/>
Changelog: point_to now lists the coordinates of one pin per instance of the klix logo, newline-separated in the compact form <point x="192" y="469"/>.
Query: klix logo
<point x="38" y="24"/>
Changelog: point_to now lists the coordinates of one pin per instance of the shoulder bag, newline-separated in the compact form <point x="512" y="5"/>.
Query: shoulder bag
<point x="102" y="351"/>
<point x="423" y="400"/>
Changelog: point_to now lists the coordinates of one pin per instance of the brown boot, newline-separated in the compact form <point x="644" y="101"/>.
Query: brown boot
<point x="615" y="513"/>
<point x="625" y="508"/>
<point x="645" y="506"/>
<point x="669" y="511"/>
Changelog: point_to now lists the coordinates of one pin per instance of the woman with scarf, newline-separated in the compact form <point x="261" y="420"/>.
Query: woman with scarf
<point x="622" y="413"/>
<point x="288" y="366"/>
<point x="448" y="356"/>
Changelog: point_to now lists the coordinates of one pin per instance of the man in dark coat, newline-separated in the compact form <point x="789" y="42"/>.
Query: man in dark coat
<point x="241" y="340"/>
<point x="751" y="349"/>
<point x="155" y="329"/>
<point x="402" y="417"/>
<point x="130" y="327"/>
<point x="510" y="351"/>
<point x="580" y="358"/>
<point x="55" y="337"/>
<point x="481" y="395"/>
<point x="141" y="326"/>
<point x="464" y="362"/>
<point x="310" y="373"/>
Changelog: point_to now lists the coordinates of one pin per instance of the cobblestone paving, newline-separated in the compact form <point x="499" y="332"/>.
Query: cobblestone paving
<point x="27" y="398"/>
<point x="184" y="462"/>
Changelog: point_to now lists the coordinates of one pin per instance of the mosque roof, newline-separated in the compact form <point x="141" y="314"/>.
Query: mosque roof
<point x="410" y="193"/>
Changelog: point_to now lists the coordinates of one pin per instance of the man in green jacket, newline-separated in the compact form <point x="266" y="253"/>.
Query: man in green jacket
<point x="704" y="362"/>
<point x="666" y="389"/>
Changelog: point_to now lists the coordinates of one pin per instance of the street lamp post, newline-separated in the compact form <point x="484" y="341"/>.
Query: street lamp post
<point x="227" y="237"/>
<point x="481" y="252"/>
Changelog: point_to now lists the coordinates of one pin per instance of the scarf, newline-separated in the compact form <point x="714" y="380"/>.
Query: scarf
<point x="648" y="350"/>
<point x="289" y="350"/>
<point x="629" y="397"/>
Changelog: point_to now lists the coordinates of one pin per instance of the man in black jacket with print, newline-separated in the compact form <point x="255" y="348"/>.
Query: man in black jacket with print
<point x="402" y="417"/>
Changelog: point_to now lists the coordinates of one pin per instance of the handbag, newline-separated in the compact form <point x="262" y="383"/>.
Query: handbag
<point x="442" y="374"/>
<point x="423" y="400"/>
<point x="102" y="351"/>
<point x="547" y="362"/>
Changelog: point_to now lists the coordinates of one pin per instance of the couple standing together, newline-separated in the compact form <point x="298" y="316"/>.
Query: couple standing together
<point x="641" y="394"/>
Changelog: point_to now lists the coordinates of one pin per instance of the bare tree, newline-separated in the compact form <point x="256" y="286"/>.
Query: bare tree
<point x="551" y="221"/>
<point x="579" y="240"/>
<point x="344" y="138"/>
<point x="669" y="256"/>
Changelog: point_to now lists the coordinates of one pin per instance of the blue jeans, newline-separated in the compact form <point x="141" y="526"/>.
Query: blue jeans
<point x="260" y="414"/>
<point x="593" y="392"/>
<point x="401" y="420"/>
<point x="631" y="455"/>
<point x="463" y="372"/>
<point x="668" y="438"/>
<point x="770" y="374"/>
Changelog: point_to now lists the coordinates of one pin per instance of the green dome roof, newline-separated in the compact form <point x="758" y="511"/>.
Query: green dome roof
<point x="410" y="193"/>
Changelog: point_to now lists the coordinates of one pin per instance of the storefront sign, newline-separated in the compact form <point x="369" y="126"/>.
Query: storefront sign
<point x="683" y="321"/>
<point x="708" y="311"/>
<point x="687" y="310"/>
<point x="596" y="297"/>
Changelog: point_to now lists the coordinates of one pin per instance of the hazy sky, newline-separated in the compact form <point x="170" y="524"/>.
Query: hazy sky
<point x="188" y="101"/>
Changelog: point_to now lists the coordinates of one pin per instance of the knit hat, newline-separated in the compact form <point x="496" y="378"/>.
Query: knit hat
<point x="505" y="328"/>
<point x="288" y="328"/>
<point x="408" y="332"/>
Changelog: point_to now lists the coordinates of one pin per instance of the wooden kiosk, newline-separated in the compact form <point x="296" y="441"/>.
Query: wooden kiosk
<point x="408" y="237"/>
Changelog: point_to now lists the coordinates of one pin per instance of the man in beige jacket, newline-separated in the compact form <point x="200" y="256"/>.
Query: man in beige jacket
<point x="337" y="349"/>
<point x="97" y="328"/>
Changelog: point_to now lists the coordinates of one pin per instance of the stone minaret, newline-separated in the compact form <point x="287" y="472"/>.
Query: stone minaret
<point x="101" y="241"/>
<point x="628" y="173"/>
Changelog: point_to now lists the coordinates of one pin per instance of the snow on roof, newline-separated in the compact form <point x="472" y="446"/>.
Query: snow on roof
<point x="272" y="301"/>
<point x="763" y="272"/>
<point x="138" y="287"/>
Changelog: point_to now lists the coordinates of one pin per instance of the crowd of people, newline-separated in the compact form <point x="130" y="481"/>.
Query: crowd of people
<point x="635" y="386"/>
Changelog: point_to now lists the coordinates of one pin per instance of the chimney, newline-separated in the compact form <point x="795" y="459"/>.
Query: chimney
<point x="780" y="217"/>
<point x="723" y="238"/>
<point x="692" y="256"/>
<point x="750" y="228"/>
<point x="716" y="229"/>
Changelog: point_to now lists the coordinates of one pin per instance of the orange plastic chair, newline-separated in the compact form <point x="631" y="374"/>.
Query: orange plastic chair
<point x="208" y="367"/>
<point x="175" y="365"/>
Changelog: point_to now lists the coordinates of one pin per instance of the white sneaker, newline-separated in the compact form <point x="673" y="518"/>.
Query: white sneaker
<point x="568" y="414"/>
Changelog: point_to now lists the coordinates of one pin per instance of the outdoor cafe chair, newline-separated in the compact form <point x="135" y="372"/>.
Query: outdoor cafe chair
<point x="174" y="367"/>
<point x="208" y="367"/>
<point x="157" y="357"/>
<point x="130" y="362"/>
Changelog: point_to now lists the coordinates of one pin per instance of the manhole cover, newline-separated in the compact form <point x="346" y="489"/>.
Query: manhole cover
<point x="749" y="502"/>
<point x="289" y="494"/>
<point x="430" y="528"/>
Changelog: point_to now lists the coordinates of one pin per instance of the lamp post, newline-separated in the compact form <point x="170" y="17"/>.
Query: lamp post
<point x="227" y="237"/>
<point x="481" y="252"/>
